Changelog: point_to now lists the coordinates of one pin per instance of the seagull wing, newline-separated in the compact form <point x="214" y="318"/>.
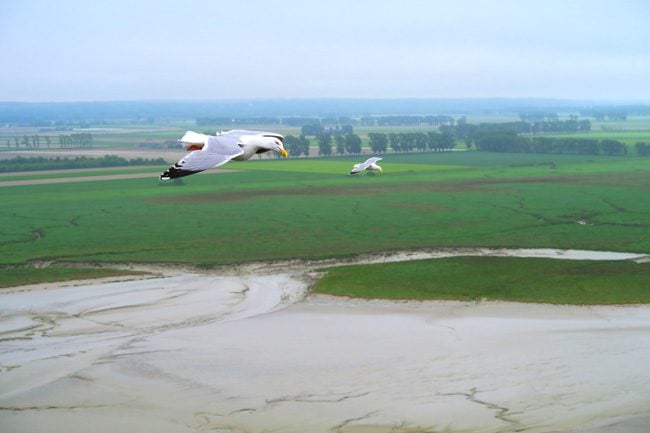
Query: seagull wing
<point x="217" y="151"/>
<point x="371" y="161"/>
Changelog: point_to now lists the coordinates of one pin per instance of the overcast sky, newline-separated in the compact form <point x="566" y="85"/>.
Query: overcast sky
<point x="80" y="50"/>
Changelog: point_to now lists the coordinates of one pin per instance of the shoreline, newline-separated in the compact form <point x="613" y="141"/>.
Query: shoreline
<point x="250" y="350"/>
<point x="310" y="268"/>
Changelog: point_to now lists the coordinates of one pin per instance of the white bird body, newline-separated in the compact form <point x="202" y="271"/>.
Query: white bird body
<point x="368" y="164"/>
<point x="207" y="151"/>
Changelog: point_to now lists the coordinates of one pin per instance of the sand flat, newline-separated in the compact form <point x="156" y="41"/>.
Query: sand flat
<point x="249" y="352"/>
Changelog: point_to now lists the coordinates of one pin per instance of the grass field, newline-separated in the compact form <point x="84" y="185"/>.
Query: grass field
<point x="30" y="275"/>
<point x="58" y="174"/>
<point x="494" y="278"/>
<point x="627" y="137"/>
<point x="310" y="208"/>
<point x="257" y="213"/>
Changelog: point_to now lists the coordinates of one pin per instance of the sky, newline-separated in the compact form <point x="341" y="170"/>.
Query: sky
<point x="80" y="50"/>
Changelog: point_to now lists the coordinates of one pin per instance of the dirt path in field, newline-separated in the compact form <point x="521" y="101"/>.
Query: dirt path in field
<point x="169" y="155"/>
<point x="76" y="179"/>
<point x="153" y="176"/>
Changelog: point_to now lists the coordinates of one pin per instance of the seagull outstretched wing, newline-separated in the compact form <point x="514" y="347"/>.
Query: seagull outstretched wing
<point x="217" y="151"/>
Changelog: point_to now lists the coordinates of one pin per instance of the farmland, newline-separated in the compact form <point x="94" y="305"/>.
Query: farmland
<point x="309" y="208"/>
<point x="257" y="211"/>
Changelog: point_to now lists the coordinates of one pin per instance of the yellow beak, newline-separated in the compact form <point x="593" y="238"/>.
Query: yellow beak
<point x="284" y="152"/>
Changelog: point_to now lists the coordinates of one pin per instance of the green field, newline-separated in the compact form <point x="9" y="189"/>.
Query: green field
<point x="56" y="174"/>
<point x="310" y="208"/>
<point x="494" y="278"/>
<point x="628" y="137"/>
<point x="29" y="275"/>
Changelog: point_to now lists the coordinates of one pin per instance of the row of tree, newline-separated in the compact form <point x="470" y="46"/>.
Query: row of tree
<point x="41" y="163"/>
<point x="409" y="141"/>
<point x="83" y="139"/>
<point x="318" y="129"/>
<point x="488" y="141"/>
<point x="407" y="120"/>
<point x="642" y="149"/>
<point x="29" y="141"/>
<point x="327" y="144"/>
<point x="379" y="143"/>
<point x="509" y="141"/>
<point x="210" y="121"/>
<point x="296" y="146"/>
<point x="468" y="132"/>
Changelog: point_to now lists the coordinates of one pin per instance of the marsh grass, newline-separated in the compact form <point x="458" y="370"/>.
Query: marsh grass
<point x="31" y="275"/>
<point x="494" y="278"/>
<point x="311" y="208"/>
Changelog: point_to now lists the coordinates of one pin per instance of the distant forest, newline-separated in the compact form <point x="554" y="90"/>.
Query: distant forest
<point x="60" y="114"/>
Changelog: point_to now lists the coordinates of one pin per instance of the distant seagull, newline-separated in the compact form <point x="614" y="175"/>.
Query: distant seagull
<point x="369" y="164"/>
<point x="207" y="151"/>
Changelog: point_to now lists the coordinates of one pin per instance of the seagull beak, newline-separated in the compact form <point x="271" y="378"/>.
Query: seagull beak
<point x="284" y="152"/>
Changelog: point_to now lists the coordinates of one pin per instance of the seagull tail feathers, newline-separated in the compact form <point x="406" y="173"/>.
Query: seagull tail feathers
<point x="193" y="139"/>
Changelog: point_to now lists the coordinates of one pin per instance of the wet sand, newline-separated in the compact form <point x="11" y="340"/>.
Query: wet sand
<point x="247" y="350"/>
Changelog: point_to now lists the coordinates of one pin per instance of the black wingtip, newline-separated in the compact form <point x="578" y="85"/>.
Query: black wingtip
<point x="174" y="173"/>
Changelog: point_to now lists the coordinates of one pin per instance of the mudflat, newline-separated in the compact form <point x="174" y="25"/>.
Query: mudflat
<point x="251" y="351"/>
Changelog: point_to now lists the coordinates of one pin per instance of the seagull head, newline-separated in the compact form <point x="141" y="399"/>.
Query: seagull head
<point x="280" y="149"/>
<point x="274" y="142"/>
<point x="260" y="142"/>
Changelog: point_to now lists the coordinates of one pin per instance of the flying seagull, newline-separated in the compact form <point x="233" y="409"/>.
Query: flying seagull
<point x="369" y="164"/>
<point x="207" y="151"/>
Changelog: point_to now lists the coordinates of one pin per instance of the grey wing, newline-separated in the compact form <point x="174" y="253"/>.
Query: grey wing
<point x="217" y="151"/>
<point x="371" y="161"/>
<point x="222" y="148"/>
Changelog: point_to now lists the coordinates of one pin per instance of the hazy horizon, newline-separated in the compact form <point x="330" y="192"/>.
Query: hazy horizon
<point x="200" y="50"/>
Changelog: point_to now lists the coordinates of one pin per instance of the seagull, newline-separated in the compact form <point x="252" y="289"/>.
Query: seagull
<point x="369" y="164"/>
<point x="207" y="151"/>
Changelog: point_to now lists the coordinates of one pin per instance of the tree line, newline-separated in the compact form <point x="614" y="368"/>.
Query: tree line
<point x="469" y="132"/>
<point x="489" y="140"/>
<point x="41" y="163"/>
<point x="516" y="137"/>
<point x="428" y="120"/>
<point x="642" y="149"/>
<point x="327" y="144"/>
<point x="29" y="141"/>
<point x="83" y="139"/>
<point x="409" y="141"/>
<point x="318" y="129"/>
<point x="509" y="141"/>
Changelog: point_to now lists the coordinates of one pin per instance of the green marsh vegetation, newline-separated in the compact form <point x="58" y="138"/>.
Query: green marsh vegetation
<point x="263" y="210"/>
<point x="496" y="279"/>
<point x="271" y="210"/>
<point x="30" y="275"/>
